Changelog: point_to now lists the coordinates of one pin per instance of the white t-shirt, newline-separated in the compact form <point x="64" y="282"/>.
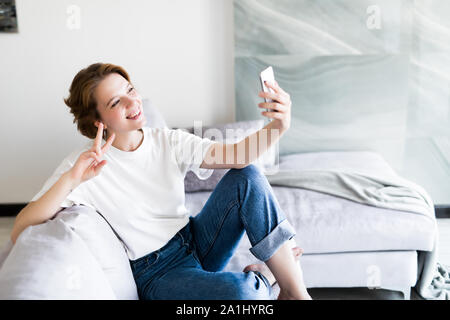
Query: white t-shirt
<point x="141" y="193"/>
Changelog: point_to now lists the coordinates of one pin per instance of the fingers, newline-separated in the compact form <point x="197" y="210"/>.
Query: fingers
<point x="273" y="106"/>
<point x="108" y="143"/>
<point x="273" y="115"/>
<point x="99" y="167"/>
<point x="280" y="95"/>
<point x="277" y="88"/>
<point x="98" y="139"/>
<point x="92" y="155"/>
<point x="283" y="99"/>
<point x="97" y="146"/>
<point x="272" y="85"/>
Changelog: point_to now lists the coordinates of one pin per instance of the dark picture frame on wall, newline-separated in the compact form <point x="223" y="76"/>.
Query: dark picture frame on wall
<point x="8" y="17"/>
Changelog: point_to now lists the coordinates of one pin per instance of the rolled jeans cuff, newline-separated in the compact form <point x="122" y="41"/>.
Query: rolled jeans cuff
<point x="265" y="248"/>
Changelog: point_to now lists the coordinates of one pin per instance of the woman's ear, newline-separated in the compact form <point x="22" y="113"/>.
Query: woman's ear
<point x="97" y="123"/>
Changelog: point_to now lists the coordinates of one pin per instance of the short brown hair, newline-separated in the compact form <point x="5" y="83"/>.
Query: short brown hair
<point x="81" y="100"/>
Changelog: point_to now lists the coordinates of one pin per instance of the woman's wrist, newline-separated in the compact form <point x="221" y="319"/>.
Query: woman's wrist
<point x="70" y="180"/>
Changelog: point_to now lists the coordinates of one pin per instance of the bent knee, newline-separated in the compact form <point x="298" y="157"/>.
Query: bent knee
<point x="250" y="169"/>
<point x="250" y="172"/>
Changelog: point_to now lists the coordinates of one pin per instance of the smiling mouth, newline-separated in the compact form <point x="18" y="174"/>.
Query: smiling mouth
<point x="135" y="117"/>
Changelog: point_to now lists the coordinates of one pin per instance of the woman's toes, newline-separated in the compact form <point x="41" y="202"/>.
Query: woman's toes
<point x="251" y="267"/>
<point x="297" y="251"/>
<point x="263" y="269"/>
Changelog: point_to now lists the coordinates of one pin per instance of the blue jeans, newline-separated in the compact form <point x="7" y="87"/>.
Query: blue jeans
<point x="190" y="265"/>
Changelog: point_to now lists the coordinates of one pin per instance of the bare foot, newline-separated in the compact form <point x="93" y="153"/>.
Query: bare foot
<point x="265" y="271"/>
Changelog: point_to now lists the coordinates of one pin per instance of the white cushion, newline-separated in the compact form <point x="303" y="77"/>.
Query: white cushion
<point x="50" y="261"/>
<point x="104" y="246"/>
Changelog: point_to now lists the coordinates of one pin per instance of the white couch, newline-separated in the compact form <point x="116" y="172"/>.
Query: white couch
<point x="77" y="256"/>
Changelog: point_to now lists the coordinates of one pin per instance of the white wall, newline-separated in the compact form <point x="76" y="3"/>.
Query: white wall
<point x="179" y="54"/>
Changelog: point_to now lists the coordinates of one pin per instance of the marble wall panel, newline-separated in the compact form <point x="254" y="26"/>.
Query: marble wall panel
<point x="361" y="74"/>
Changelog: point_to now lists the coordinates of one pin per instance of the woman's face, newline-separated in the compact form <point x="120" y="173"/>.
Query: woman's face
<point x="117" y="103"/>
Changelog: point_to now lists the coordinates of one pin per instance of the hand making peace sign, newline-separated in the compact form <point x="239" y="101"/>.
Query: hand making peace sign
<point x="89" y="163"/>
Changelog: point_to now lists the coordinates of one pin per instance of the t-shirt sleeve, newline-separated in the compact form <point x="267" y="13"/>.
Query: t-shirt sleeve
<point x="76" y="196"/>
<point x="190" y="150"/>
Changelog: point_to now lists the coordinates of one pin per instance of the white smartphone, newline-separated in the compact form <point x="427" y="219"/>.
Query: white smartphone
<point x="267" y="75"/>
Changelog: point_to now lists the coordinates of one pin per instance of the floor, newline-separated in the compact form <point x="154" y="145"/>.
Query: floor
<point x="325" y="293"/>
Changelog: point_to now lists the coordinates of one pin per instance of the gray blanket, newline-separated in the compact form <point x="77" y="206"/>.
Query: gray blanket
<point x="390" y="192"/>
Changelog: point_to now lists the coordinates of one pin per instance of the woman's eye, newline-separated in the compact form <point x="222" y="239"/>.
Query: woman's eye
<point x="115" y="103"/>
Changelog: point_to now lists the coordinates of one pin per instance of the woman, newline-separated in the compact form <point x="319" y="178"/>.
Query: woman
<point x="136" y="181"/>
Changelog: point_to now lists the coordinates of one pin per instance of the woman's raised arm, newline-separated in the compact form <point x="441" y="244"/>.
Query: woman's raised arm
<point x="87" y="166"/>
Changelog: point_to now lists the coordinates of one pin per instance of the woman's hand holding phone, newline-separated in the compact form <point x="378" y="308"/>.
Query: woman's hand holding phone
<point x="89" y="163"/>
<point x="277" y="104"/>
